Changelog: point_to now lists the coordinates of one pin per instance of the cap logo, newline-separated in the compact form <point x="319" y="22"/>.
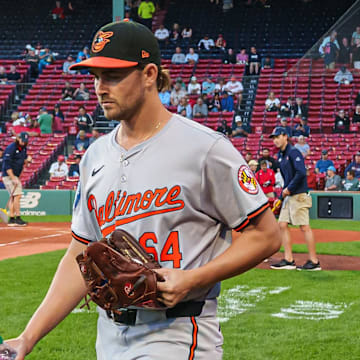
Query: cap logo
<point x="101" y="39"/>
<point x="144" y="54"/>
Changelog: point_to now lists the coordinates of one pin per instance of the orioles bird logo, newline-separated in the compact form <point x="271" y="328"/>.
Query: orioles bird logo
<point x="247" y="180"/>
<point x="101" y="39"/>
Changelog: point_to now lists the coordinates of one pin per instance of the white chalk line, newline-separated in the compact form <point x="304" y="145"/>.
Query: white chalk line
<point x="31" y="239"/>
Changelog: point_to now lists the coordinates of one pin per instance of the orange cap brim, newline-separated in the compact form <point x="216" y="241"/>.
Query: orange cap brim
<point x="103" y="62"/>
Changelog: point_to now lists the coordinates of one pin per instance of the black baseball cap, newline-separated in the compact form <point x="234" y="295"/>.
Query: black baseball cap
<point x="122" y="44"/>
<point x="24" y="137"/>
<point x="278" y="131"/>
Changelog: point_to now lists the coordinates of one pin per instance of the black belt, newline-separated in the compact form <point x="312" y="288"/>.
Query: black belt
<point x="183" y="309"/>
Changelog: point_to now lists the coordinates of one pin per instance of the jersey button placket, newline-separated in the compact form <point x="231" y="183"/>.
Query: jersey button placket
<point x="125" y="164"/>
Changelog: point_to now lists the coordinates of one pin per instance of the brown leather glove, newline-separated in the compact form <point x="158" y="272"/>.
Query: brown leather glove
<point x="119" y="273"/>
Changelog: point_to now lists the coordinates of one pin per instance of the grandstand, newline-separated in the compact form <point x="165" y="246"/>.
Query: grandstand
<point x="279" y="30"/>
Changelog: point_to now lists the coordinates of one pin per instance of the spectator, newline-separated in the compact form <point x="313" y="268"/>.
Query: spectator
<point x="83" y="54"/>
<point x="350" y="183"/>
<point x="234" y="87"/>
<point x="229" y="57"/>
<point x="13" y="76"/>
<point x="242" y="57"/>
<point x="215" y="103"/>
<point x="74" y="169"/>
<point x="220" y="85"/>
<point x="253" y="164"/>
<point x="345" y="54"/>
<point x="285" y="125"/>
<point x="162" y="35"/>
<point x="69" y="10"/>
<point x="176" y="94"/>
<point x="311" y="179"/>
<point x="270" y="161"/>
<point x="178" y="57"/>
<point x="164" y="96"/>
<point x="200" y="109"/>
<point x="81" y="93"/>
<point x="266" y="179"/>
<point x="146" y="11"/>
<point x="206" y="44"/>
<point x="175" y="35"/>
<point x="46" y="57"/>
<point x="357" y="99"/>
<point x="254" y="61"/>
<point x="194" y="87"/>
<point x="300" y="108"/>
<point x="59" y="168"/>
<point x="186" y="34"/>
<point x="3" y="75"/>
<point x="356" y="54"/>
<point x="342" y="122"/>
<point x="84" y="120"/>
<point x="267" y="63"/>
<point x="81" y="142"/>
<point x="333" y="181"/>
<point x="208" y="86"/>
<point x="343" y="76"/>
<point x="238" y="107"/>
<point x="69" y="61"/>
<point x="272" y="103"/>
<point x="58" y="11"/>
<point x="33" y="129"/>
<point x="302" y="128"/>
<point x="329" y="49"/>
<point x="58" y="119"/>
<point x="45" y="121"/>
<point x="323" y="164"/>
<point x="224" y="128"/>
<point x="95" y="134"/>
<point x="287" y="109"/>
<point x="248" y="157"/>
<point x="356" y="116"/>
<point x="184" y="108"/>
<point x="191" y="57"/>
<point x="355" y="35"/>
<point x="302" y="146"/>
<point x="227" y="102"/>
<point x="1" y="157"/>
<point x="67" y="92"/>
<point x="238" y="128"/>
<point x="220" y="42"/>
<point x="279" y="182"/>
<point x="181" y="82"/>
<point x="354" y="165"/>
<point x="33" y="60"/>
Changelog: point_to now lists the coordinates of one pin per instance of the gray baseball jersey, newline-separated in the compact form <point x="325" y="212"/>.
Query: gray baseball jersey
<point x="180" y="193"/>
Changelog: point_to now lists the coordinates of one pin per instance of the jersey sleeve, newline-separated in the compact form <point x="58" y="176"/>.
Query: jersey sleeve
<point x="230" y="192"/>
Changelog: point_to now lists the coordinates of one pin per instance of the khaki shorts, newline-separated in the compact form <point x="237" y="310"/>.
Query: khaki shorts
<point x="10" y="186"/>
<point x="295" y="209"/>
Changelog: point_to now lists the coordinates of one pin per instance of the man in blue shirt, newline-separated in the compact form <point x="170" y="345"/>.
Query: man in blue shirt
<point x="296" y="202"/>
<point x="354" y="165"/>
<point x="323" y="164"/>
<point x="15" y="156"/>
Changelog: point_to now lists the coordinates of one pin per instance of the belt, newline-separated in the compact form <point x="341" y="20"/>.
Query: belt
<point x="183" y="309"/>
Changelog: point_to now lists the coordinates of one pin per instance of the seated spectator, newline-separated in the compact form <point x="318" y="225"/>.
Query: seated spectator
<point x="58" y="119"/>
<point x="84" y="120"/>
<point x="267" y="63"/>
<point x="270" y="161"/>
<point x="46" y="57"/>
<point x="186" y="34"/>
<point x="238" y="108"/>
<point x="176" y="94"/>
<point x="180" y="81"/>
<point x="164" y="96"/>
<point x="300" y="109"/>
<point x="67" y="63"/>
<point x="178" y="57"/>
<point x="350" y="183"/>
<point x="266" y="179"/>
<point x="284" y="123"/>
<point x="81" y="142"/>
<point x="45" y="121"/>
<point x="33" y="128"/>
<point x="343" y="76"/>
<point x="83" y="54"/>
<point x="227" y="102"/>
<point x="162" y="34"/>
<point x="355" y="35"/>
<point x="184" y="108"/>
<point x="224" y="128"/>
<point x="242" y="57"/>
<point x="356" y="116"/>
<point x="311" y="179"/>
<point x="74" y="169"/>
<point x="345" y="54"/>
<point x="215" y="103"/>
<point x="59" y="167"/>
<point x="287" y="109"/>
<point x="220" y="85"/>
<point x="342" y="122"/>
<point x="220" y="42"/>
<point x="58" y="11"/>
<point x="302" y="128"/>
<point x="239" y="129"/>
<point x="175" y="35"/>
<point x="95" y="134"/>
<point x="272" y="103"/>
<point x="13" y="76"/>
<point x="333" y="181"/>
<point x="324" y="163"/>
<point x="200" y="109"/>
<point x="302" y="146"/>
<point x="254" y="61"/>
<point x="57" y="112"/>
<point x="82" y="93"/>
<point x="33" y="60"/>
<point x="191" y="57"/>
<point x="356" y="54"/>
<point x="194" y="87"/>
<point x="229" y="57"/>
<point x="208" y="86"/>
<point x="248" y="157"/>
<point x="253" y="164"/>
<point x="206" y="43"/>
<point x="234" y="87"/>
<point x="354" y="165"/>
<point x="67" y="92"/>
<point x="357" y="99"/>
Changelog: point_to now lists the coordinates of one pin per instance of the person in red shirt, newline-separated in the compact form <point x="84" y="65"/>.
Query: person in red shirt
<point x="311" y="179"/>
<point x="266" y="179"/>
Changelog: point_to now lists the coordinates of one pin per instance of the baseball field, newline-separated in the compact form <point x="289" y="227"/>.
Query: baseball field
<point x="264" y="314"/>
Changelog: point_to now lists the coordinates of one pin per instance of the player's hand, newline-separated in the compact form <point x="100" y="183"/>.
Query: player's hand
<point x="15" y="181"/>
<point x="176" y="286"/>
<point x="285" y="193"/>
<point x="20" y="346"/>
<point x="29" y="159"/>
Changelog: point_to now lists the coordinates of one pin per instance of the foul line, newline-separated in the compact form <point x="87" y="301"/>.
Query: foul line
<point x="34" y="238"/>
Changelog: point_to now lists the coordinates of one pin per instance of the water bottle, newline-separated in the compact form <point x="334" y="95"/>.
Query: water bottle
<point x="6" y="352"/>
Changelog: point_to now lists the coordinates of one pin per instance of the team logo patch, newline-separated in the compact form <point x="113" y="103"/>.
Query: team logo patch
<point x="247" y="180"/>
<point x="101" y="39"/>
<point x="128" y="288"/>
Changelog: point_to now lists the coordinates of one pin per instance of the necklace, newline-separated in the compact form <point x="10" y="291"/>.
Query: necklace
<point x="146" y="137"/>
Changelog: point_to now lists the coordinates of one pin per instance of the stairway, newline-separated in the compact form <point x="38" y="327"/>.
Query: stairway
<point x="250" y="86"/>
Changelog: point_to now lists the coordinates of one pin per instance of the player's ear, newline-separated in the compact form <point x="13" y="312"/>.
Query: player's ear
<point x="150" y="73"/>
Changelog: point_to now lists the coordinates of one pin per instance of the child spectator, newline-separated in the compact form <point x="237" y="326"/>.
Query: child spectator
<point x="324" y="163"/>
<point x="266" y="179"/>
<point x="350" y="183"/>
<point x="272" y="103"/>
<point x="59" y="167"/>
<point x="242" y="57"/>
<point x="333" y="181"/>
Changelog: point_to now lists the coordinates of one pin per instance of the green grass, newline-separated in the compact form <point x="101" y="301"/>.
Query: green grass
<point x="254" y="334"/>
<point x="48" y="218"/>
<point x="351" y="248"/>
<point x="335" y="224"/>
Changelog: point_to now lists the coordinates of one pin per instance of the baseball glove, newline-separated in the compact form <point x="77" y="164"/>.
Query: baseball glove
<point x="119" y="273"/>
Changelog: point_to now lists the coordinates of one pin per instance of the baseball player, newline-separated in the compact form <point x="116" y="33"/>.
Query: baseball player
<point x="180" y="188"/>
<point x="296" y="202"/>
